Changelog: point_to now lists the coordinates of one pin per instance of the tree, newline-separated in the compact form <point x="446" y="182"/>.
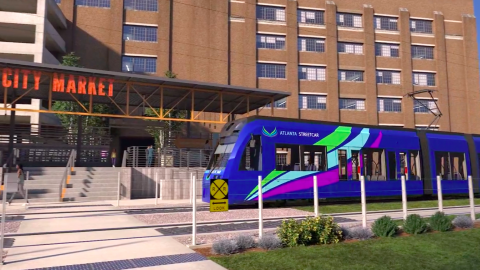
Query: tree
<point x="69" y="121"/>
<point x="160" y="133"/>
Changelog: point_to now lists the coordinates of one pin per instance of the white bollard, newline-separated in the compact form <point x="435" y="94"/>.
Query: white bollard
<point x="404" y="197"/>
<point x="260" y="207"/>
<point x="315" y="195"/>
<point x="119" y="190"/>
<point x="191" y="188"/>
<point x="194" y="210"/>
<point x="4" y="210"/>
<point x="472" y="200"/>
<point x="26" y="190"/>
<point x="439" y="193"/>
<point x="364" y="201"/>
<point x="156" y="188"/>
<point x="161" y="187"/>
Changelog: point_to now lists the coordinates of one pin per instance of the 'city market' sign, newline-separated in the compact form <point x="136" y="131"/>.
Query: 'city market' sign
<point x="63" y="83"/>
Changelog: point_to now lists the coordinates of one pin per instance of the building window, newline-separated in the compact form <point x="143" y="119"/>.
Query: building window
<point x="140" y="33"/>
<point x="425" y="106"/>
<point x="93" y="3"/>
<point x="386" y="23"/>
<point x="350" y="76"/>
<point x="424" y="79"/>
<point x="352" y="104"/>
<point x="310" y="16"/>
<point x="141" y="5"/>
<point x="388" y="77"/>
<point x="389" y="105"/>
<point x="311" y="44"/>
<point x="279" y="104"/>
<point x="422" y="52"/>
<point x="311" y="73"/>
<point x="270" y="42"/>
<point x="267" y="13"/>
<point x="353" y="48"/>
<point x="273" y="71"/>
<point x="421" y="26"/>
<point x="387" y="50"/>
<point x="139" y="64"/>
<point x="349" y="20"/>
<point x="58" y="1"/>
<point x="313" y="102"/>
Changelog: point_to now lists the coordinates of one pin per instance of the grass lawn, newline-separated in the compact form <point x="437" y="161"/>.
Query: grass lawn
<point x="356" y="207"/>
<point x="451" y="250"/>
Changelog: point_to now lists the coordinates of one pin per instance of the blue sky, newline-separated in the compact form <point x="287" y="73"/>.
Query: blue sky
<point x="476" y="4"/>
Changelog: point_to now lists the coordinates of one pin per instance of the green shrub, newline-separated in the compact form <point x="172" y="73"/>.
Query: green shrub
<point x="311" y="231"/>
<point x="289" y="233"/>
<point x="323" y="230"/>
<point x="414" y="224"/>
<point x="384" y="227"/>
<point x="440" y="222"/>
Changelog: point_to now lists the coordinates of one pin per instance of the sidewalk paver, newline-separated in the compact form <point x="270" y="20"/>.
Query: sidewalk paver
<point x="80" y="248"/>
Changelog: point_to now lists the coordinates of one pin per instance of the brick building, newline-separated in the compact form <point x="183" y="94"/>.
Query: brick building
<point x="343" y="60"/>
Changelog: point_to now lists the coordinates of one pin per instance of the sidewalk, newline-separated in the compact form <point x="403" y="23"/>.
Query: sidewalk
<point x="117" y="249"/>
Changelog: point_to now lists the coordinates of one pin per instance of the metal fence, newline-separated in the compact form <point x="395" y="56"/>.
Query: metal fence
<point x="137" y="156"/>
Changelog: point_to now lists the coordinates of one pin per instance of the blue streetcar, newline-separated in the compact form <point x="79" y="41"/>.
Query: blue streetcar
<point x="287" y="153"/>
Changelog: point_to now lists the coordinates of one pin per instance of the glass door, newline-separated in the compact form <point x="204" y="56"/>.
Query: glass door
<point x="342" y="165"/>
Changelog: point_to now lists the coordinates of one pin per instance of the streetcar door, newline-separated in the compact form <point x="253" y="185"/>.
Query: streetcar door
<point x="355" y="161"/>
<point x="342" y="164"/>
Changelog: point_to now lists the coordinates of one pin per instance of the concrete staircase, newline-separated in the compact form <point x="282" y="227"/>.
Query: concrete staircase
<point x="86" y="184"/>
<point x="92" y="184"/>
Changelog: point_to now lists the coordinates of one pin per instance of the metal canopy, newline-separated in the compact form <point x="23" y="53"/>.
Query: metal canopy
<point x="128" y="93"/>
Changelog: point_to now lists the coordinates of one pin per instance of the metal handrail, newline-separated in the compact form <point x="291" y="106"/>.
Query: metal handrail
<point x="66" y="174"/>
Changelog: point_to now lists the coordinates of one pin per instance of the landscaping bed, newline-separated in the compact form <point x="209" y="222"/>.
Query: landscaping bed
<point x="319" y="243"/>
<point x="451" y="250"/>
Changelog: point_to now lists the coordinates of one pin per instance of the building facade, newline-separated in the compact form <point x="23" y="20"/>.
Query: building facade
<point x="30" y="31"/>
<point x="346" y="60"/>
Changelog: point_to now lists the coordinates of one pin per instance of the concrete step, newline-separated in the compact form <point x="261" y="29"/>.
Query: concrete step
<point x="76" y="174"/>
<point x="36" y="200"/>
<point x="39" y="185"/>
<point x="51" y="195"/>
<point x="91" y="190"/>
<point x="93" y="185"/>
<point x="92" y="193"/>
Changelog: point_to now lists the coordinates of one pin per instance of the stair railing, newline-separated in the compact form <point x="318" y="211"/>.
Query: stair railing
<point x="67" y="174"/>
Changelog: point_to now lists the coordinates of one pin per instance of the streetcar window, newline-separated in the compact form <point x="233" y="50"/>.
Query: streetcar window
<point x="451" y="165"/>
<point x="374" y="164"/>
<point x="252" y="155"/>
<point x="415" y="172"/>
<point x="287" y="157"/>
<point x="220" y="157"/>
<point x="314" y="158"/>
<point x="392" y="166"/>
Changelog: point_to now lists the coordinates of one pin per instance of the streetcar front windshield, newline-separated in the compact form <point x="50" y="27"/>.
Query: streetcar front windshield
<point x="220" y="157"/>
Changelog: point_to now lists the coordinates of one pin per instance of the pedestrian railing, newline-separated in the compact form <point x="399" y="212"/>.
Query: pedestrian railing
<point x="137" y="156"/>
<point x="67" y="174"/>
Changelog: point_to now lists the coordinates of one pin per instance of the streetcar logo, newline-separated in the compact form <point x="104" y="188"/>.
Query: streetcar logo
<point x="269" y="134"/>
